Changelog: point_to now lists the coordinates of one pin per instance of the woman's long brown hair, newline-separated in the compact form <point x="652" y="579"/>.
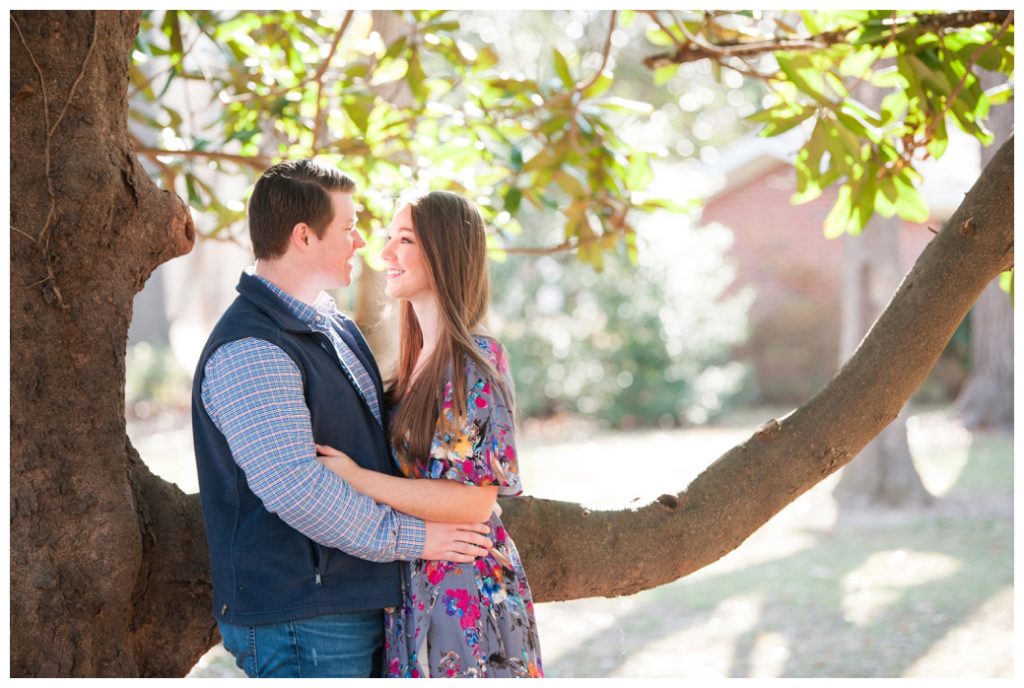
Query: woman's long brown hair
<point x="451" y="235"/>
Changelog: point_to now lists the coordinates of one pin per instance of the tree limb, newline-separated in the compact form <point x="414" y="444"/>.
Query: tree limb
<point x="692" y="52"/>
<point x="612" y="553"/>
<point x="257" y="162"/>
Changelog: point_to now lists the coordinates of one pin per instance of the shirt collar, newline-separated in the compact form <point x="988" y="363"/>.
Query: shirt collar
<point x="318" y="314"/>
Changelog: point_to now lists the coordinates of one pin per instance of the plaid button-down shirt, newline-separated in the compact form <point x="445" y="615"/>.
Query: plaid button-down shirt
<point x="252" y="391"/>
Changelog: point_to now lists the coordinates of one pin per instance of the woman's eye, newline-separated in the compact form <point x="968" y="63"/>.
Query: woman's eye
<point x="406" y="241"/>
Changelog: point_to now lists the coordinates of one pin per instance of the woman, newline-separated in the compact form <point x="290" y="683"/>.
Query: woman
<point x="451" y="430"/>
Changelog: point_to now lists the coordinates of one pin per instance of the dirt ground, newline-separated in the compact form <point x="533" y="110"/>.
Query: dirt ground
<point x="923" y="593"/>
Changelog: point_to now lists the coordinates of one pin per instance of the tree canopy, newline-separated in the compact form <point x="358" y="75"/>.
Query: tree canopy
<point x="287" y="84"/>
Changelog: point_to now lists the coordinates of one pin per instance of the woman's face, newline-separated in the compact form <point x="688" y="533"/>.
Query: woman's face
<point x="407" y="276"/>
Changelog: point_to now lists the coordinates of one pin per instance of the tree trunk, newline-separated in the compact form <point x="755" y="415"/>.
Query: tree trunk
<point x="986" y="400"/>
<point x="94" y="590"/>
<point x="109" y="571"/>
<point x="884" y="474"/>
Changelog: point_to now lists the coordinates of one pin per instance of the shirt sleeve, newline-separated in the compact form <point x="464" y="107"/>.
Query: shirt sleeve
<point x="481" y="450"/>
<point x="253" y="393"/>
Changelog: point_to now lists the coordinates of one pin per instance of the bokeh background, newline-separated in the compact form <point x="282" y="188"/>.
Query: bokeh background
<point x="635" y="372"/>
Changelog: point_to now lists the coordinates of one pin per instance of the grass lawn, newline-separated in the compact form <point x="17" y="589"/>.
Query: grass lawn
<point x="923" y="593"/>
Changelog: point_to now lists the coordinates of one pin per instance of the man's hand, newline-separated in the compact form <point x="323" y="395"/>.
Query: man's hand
<point x="459" y="542"/>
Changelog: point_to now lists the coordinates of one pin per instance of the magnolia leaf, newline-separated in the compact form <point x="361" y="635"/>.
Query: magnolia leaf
<point x="910" y="204"/>
<point x="562" y="69"/>
<point x="839" y="217"/>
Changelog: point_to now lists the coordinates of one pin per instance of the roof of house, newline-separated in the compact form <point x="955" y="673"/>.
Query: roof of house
<point x="946" y="180"/>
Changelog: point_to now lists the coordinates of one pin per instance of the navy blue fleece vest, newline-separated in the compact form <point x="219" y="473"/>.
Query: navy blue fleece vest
<point x="263" y="570"/>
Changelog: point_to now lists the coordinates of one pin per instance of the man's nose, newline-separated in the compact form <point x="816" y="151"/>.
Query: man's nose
<point x="360" y="241"/>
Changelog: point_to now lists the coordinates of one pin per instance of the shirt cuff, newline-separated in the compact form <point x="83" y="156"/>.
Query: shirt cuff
<point x="410" y="538"/>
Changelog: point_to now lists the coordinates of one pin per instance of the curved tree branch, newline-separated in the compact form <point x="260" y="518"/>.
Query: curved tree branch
<point x="692" y="51"/>
<point x="613" y="553"/>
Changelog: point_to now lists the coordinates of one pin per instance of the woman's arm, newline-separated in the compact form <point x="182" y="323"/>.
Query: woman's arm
<point x="432" y="500"/>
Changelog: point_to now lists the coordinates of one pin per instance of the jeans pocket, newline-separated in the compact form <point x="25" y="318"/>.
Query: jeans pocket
<point x="240" y="641"/>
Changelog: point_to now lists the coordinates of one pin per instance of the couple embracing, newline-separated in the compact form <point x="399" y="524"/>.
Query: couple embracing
<point x="352" y="524"/>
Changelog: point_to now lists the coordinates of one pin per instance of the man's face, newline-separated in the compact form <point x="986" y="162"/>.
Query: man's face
<point x="332" y="254"/>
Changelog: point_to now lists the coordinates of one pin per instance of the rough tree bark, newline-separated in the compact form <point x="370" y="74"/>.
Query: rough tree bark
<point x="108" y="563"/>
<point x="94" y="588"/>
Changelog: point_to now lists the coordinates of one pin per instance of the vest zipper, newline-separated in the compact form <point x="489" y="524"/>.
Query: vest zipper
<point x="318" y="581"/>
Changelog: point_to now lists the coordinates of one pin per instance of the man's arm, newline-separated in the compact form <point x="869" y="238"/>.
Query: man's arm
<point x="253" y="393"/>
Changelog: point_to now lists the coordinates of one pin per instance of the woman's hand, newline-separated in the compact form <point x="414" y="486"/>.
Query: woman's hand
<point x="337" y="461"/>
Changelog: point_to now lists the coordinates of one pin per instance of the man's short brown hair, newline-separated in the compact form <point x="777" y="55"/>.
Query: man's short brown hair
<point x="289" y="193"/>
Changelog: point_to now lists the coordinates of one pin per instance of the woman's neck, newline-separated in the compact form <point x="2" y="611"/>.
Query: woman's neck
<point x="429" y="317"/>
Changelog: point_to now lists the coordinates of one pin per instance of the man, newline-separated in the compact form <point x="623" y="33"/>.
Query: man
<point x="302" y="564"/>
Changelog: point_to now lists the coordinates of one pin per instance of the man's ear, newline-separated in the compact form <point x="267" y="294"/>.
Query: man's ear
<point x="300" y="235"/>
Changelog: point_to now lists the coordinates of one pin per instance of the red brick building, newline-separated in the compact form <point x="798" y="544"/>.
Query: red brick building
<point x="780" y="250"/>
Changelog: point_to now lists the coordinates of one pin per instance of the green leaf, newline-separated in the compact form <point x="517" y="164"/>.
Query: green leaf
<point x="810" y="21"/>
<point x="172" y="29"/>
<point x="839" y="217"/>
<point x="886" y="197"/>
<point x="1000" y="94"/>
<point x="864" y="203"/>
<point x="910" y="204"/>
<point x="562" y="69"/>
<point x="567" y="179"/>
<point x="358" y="108"/>
<point x="894" y="106"/>
<point x="803" y="74"/>
<point x="857" y="63"/>
<point x="1006" y="283"/>
<point x="395" y="49"/>
<point x="389" y="70"/>
<point x="890" y="77"/>
<point x="778" y="125"/>
<point x="512" y="198"/>
<point x="669" y="205"/>
<point x="624" y="105"/>
<point x="516" y="158"/>
<point x="639" y="175"/>
<point x="655" y="36"/>
<point x="600" y="85"/>
<point x="485" y="58"/>
<point x="193" y="194"/>
<point x="544" y="158"/>
<point x="663" y="75"/>
<point x="416" y="78"/>
<point x="940" y="140"/>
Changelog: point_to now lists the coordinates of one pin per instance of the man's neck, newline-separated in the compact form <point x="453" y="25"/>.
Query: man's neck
<point x="288" y="279"/>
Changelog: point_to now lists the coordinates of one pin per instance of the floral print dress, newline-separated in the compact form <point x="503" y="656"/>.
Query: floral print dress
<point x="469" y="620"/>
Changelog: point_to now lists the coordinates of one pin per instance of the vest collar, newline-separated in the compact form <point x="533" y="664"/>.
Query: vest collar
<point x="253" y="290"/>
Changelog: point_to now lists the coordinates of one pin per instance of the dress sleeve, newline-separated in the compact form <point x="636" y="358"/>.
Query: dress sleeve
<point x="481" y="450"/>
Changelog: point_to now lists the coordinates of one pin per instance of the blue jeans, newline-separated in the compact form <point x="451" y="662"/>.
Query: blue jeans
<point x="345" y="645"/>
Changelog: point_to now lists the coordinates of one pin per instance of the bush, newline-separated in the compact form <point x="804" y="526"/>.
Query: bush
<point x="632" y="345"/>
